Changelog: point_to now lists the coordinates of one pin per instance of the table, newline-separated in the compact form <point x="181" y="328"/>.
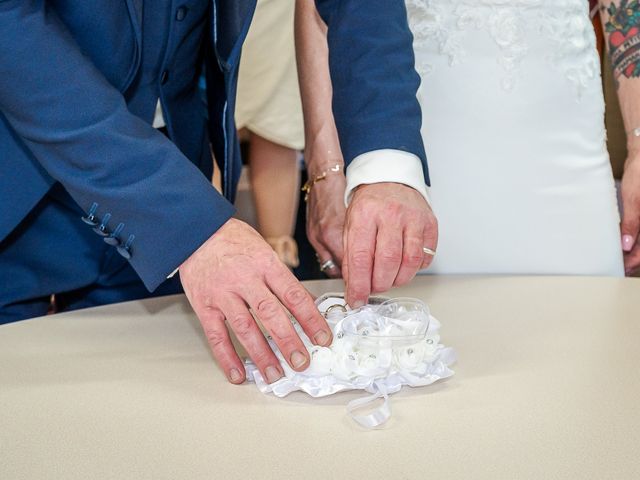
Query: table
<point x="547" y="386"/>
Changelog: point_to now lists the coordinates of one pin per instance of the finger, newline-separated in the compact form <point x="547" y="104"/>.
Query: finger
<point x="323" y="254"/>
<point x="430" y="240"/>
<point x="359" y="251"/>
<point x="278" y="323"/>
<point x="333" y="242"/>
<point x="298" y="301"/>
<point x="387" y="258"/>
<point x="323" y="250"/>
<point x="244" y="326"/>
<point x="632" y="261"/>
<point x="345" y="266"/>
<point x="412" y="254"/>
<point x="215" y="330"/>
<point x="630" y="220"/>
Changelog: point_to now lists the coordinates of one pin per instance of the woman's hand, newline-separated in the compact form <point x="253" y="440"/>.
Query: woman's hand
<point x="631" y="212"/>
<point x="325" y="220"/>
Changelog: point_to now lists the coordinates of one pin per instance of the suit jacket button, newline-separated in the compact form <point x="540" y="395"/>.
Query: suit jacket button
<point x="114" y="238"/>
<point x="90" y="220"/>
<point x="101" y="230"/>
<point x="125" y="250"/>
<point x="181" y="13"/>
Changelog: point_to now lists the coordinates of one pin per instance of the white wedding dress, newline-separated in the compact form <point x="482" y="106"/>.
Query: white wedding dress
<point x="513" y="122"/>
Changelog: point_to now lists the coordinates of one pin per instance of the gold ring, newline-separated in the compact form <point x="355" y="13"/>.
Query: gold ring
<point x="428" y="251"/>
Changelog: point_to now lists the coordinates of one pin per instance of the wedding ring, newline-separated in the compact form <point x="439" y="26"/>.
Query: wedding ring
<point x="428" y="251"/>
<point x="327" y="265"/>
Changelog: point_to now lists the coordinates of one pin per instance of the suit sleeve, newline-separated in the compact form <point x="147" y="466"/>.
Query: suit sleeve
<point x="374" y="80"/>
<point x="79" y="128"/>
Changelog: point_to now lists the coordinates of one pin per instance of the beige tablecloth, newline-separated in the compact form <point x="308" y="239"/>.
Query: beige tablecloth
<point x="546" y="387"/>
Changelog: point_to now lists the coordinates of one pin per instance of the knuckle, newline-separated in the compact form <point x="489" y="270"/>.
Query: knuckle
<point x="215" y="337"/>
<point x="268" y="308"/>
<point x="208" y="301"/>
<point x="361" y="259"/>
<point x="359" y="207"/>
<point x="412" y="260"/>
<point x="262" y="356"/>
<point x="431" y="222"/>
<point x="242" y="324"/>
<point x="392" y="210"/>
<point x="294" y="296"/>
<point x="390" y="256"/>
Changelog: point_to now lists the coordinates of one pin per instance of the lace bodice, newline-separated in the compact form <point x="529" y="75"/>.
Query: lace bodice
<point x="443" y="25"/>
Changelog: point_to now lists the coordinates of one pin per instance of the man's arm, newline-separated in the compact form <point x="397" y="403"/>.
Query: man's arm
<point x="374" y="80"/>
<point x="378" y="120"/>
<point x="621" y="20"/>
<point x="78" y="127"/>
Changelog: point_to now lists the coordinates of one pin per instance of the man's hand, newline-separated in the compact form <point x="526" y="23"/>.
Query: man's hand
<point x="325" y="220"/>
<point x="236" y="270"/>
<point x="386" y="228"/>
<point x="631" y="213"/>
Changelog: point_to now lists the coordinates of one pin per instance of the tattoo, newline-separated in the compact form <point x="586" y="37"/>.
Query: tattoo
<point x="623" y="27"/>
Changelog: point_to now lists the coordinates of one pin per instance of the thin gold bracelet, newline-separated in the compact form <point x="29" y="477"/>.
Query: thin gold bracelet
<point x="309" y="184"/>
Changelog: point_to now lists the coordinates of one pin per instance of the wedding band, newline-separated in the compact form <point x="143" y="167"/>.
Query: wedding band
<point x="328" y="265"/>
<point x="428" y="251"/>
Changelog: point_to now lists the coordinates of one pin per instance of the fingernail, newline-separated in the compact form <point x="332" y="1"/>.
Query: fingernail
<point x="321" y="338"/>
<point x="272" y="373"/>
<point x="357" y="304"/>
<point x="298" y="359"/>
<point x="627" y="243"/>
<point x="234" y="375"/>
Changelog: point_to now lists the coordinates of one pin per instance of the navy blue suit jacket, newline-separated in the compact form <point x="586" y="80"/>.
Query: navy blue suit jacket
<point x="66" y="65"/>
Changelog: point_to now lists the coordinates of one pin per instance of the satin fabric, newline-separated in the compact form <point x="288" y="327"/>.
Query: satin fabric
<point x="513" y="122"/>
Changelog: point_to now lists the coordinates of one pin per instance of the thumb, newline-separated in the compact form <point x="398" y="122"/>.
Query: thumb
<point x="630" y="221"/>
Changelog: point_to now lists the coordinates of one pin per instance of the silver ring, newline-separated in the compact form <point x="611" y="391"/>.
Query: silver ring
<point x="327" y="265"/>
<point x="428" y="251"/>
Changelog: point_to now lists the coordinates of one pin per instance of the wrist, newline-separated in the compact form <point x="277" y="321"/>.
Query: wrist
<point x="322" y="177"/>
<point x="633" y="155"/>
<point x="633" y="141"/>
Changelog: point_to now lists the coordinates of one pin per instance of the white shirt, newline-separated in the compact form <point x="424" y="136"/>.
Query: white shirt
<point x="386" y="165"/>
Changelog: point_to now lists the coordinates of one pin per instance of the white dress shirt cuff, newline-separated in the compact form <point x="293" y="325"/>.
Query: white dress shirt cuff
<point x="386" y="165"/>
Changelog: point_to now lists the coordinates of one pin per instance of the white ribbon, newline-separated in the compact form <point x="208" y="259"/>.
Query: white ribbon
<point x="378" y="416"/>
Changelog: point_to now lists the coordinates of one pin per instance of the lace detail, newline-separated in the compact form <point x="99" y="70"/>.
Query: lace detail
<point x="511" y="24"/>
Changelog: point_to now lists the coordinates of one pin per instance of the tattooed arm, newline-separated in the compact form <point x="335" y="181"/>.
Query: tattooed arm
<point x="621" y="20"/>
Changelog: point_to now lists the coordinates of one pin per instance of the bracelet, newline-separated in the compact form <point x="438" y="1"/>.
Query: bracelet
<point x="318" y="178"/>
